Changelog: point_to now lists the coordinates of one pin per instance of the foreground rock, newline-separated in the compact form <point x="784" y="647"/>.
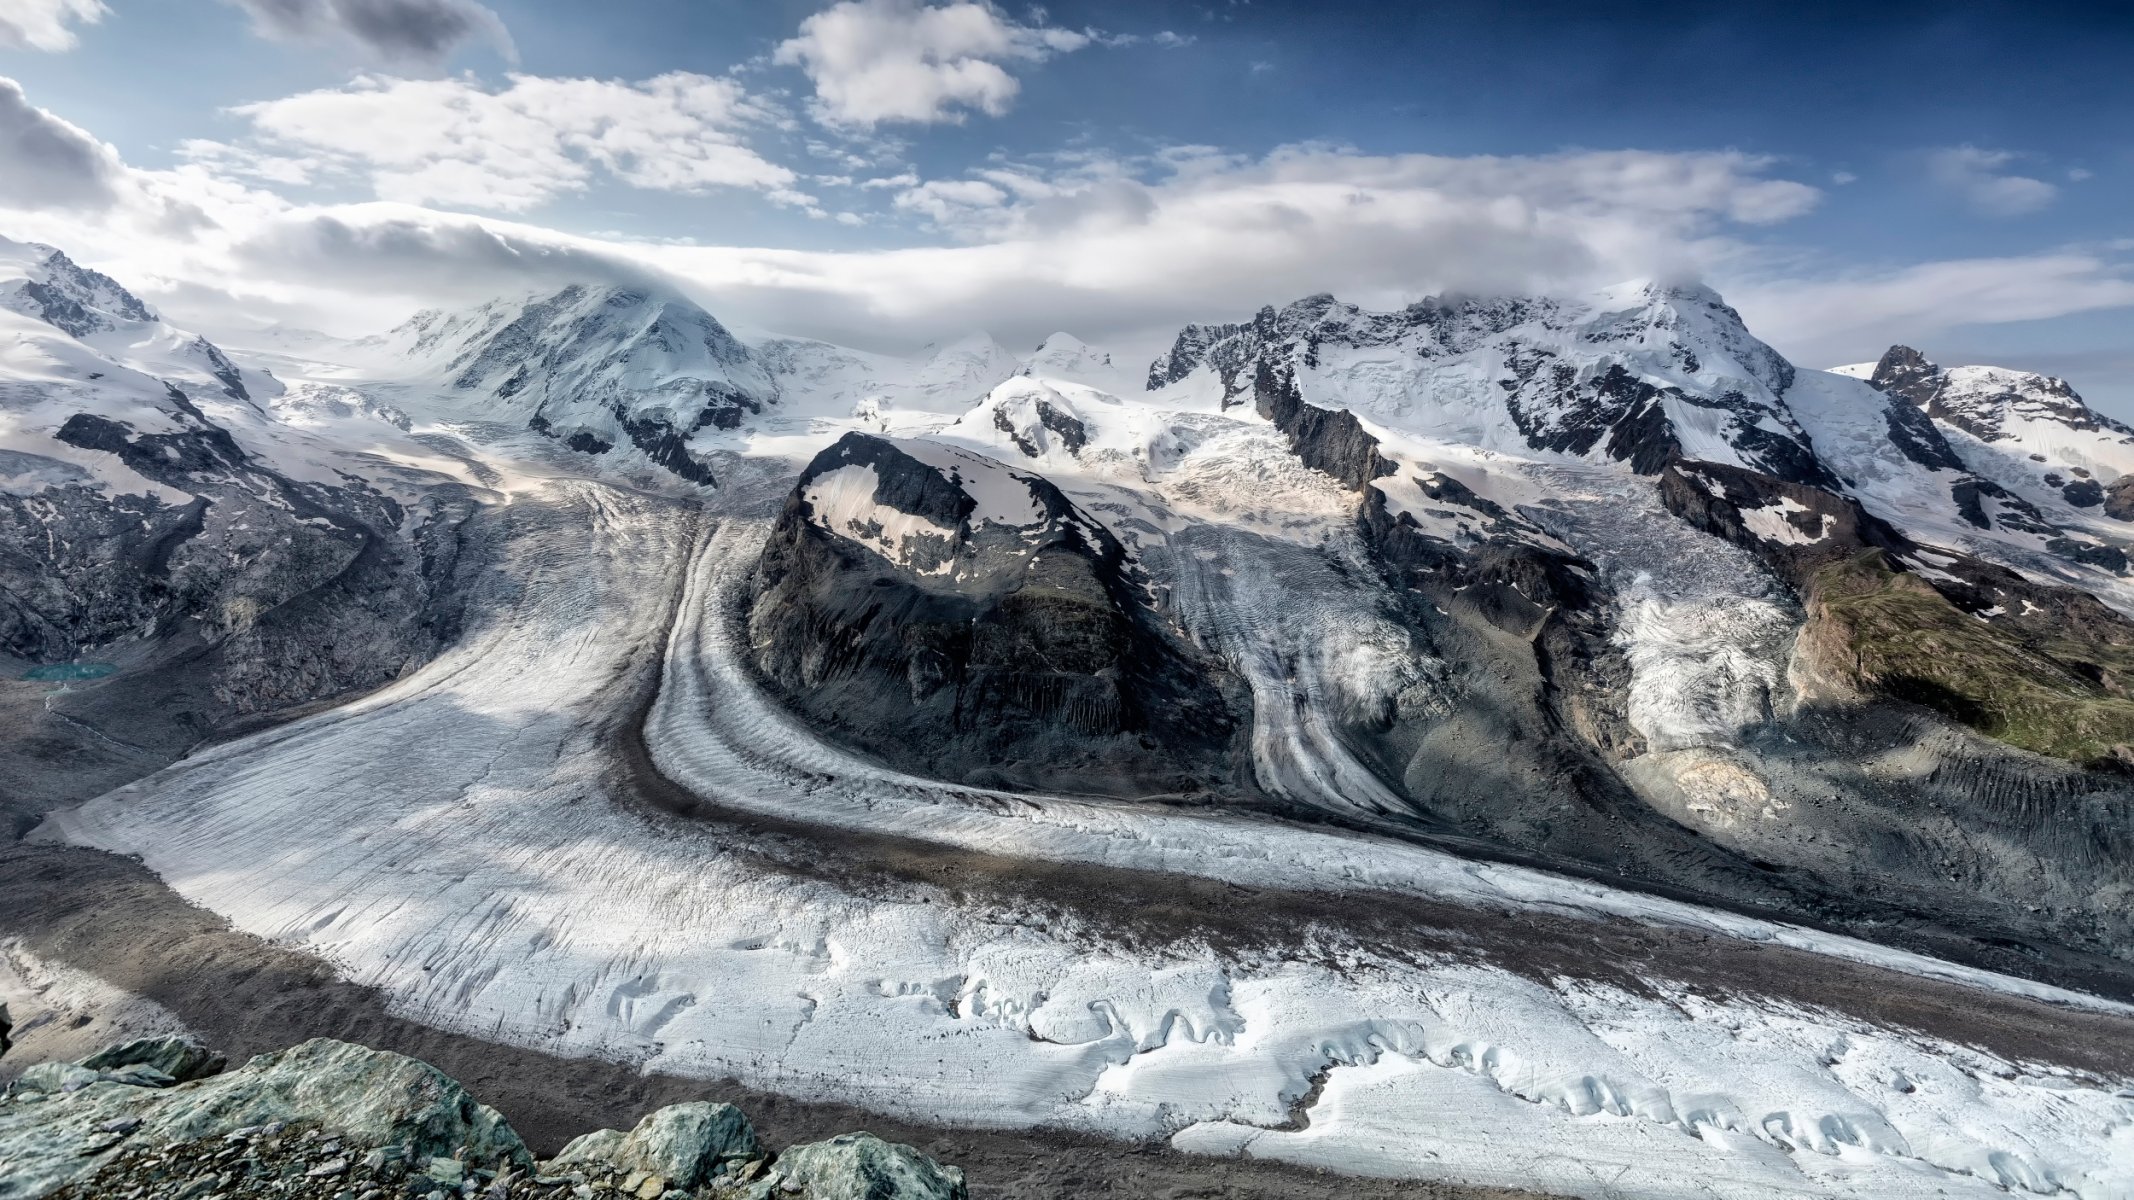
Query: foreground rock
<point x="159" y="1118"/>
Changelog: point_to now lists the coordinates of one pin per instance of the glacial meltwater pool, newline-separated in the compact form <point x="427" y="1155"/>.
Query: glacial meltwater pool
<point x="63" y="672"/>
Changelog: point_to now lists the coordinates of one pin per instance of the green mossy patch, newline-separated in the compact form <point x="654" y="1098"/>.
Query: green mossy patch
<point x="2006" y="677"/>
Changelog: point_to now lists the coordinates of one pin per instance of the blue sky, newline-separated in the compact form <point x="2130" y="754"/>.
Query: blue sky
<point x="1954" y="175"/>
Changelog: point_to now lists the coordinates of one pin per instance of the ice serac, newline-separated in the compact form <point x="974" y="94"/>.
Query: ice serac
<point x="960" y="618"/>
<point x="596" y="368"/>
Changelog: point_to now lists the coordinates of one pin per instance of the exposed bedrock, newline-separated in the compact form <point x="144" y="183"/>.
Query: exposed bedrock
<point x="966" y="621"/>
<point x="162" y="622"/>
<point x="1853" y="797"/>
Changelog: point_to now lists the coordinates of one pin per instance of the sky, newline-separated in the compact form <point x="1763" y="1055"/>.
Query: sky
<point x="889" y="173"/>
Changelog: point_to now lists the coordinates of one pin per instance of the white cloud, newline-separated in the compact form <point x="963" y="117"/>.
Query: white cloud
<point x="1981" y="179"/>
<point x="456" y="142"/>
<point x="1092" y="248"/>
<point x="947" y="201"/>
<point x="46" y="25"/>
<point x="1855" y="316"/>
<point x="420" y="31"/>
<point x="46" y="161"/>
<point x="875" y="61"/>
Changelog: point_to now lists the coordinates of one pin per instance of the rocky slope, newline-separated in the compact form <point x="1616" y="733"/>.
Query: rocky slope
<point x="1895" y="597"/>
<point x="205" y="579"/>
<point x="960" y="618"/>
<point x="160" y="1117"/>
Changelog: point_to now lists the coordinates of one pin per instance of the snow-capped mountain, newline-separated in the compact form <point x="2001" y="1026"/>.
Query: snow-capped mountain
<point x="1638" y="374"/>
<point x="593" y="367"/>
<point x="42" y="283"/>
<point x="1526" y="605"/>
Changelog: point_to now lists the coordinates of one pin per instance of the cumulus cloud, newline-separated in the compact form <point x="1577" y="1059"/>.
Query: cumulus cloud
<point x="875" y="61"/>
<point x="47" y="25"/>
<point x="401" y="31"/>
<point x="44" y="161"/>
<point x="1981" y="179"/>
<point x="457" y="142"/>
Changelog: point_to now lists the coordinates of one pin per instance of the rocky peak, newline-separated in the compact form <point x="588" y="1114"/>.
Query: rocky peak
<point x="1906" y="372"/>
<point x="1989" y="403"/>
<point x="55" y="289"/>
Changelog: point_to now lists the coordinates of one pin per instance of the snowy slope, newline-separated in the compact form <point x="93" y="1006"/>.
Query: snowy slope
<point x="1634" y="374"/>
<point x="43" y="284"/>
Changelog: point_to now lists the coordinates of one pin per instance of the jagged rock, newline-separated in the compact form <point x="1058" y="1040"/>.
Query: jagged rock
<point x="183" y="1058"/>
<point x="7" y="1028"/>
<point x="858" y="1166"/>
<point x="683" y="1144"/>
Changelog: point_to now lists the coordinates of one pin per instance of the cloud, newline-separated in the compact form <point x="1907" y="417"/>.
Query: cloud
<point x="1980" y="179"/>
<point x="1123" y="251"/>
<point x="398" y="31"/>
<point x="415" y="253"/>
<point x="456" y="142"/>
<point x="1855" y="316"/>
<point x="45" y="162"/>
<point x="876" y="61"/>
<point x="46" y="24"/>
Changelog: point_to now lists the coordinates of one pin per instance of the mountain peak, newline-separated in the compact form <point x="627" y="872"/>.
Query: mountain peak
<point x="42" y="282"/>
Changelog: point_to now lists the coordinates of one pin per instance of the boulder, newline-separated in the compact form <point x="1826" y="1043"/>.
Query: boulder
<point x="683" y="1144"/>
<point x="858" y="1166"/>
<point x="182" y="1057"/>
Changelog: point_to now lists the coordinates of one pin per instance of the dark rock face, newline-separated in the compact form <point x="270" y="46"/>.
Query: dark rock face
<point x="1017" y="655"/>
<point x="1914" y="433"/>
<point x="254" y="595"/>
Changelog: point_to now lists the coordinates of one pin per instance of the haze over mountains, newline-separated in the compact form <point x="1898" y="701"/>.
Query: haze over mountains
<point x="1593" y="606"/>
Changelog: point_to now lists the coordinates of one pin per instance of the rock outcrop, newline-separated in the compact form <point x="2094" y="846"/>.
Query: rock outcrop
<point x="330" y="1120"/>
<point x="962" y="619"/>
